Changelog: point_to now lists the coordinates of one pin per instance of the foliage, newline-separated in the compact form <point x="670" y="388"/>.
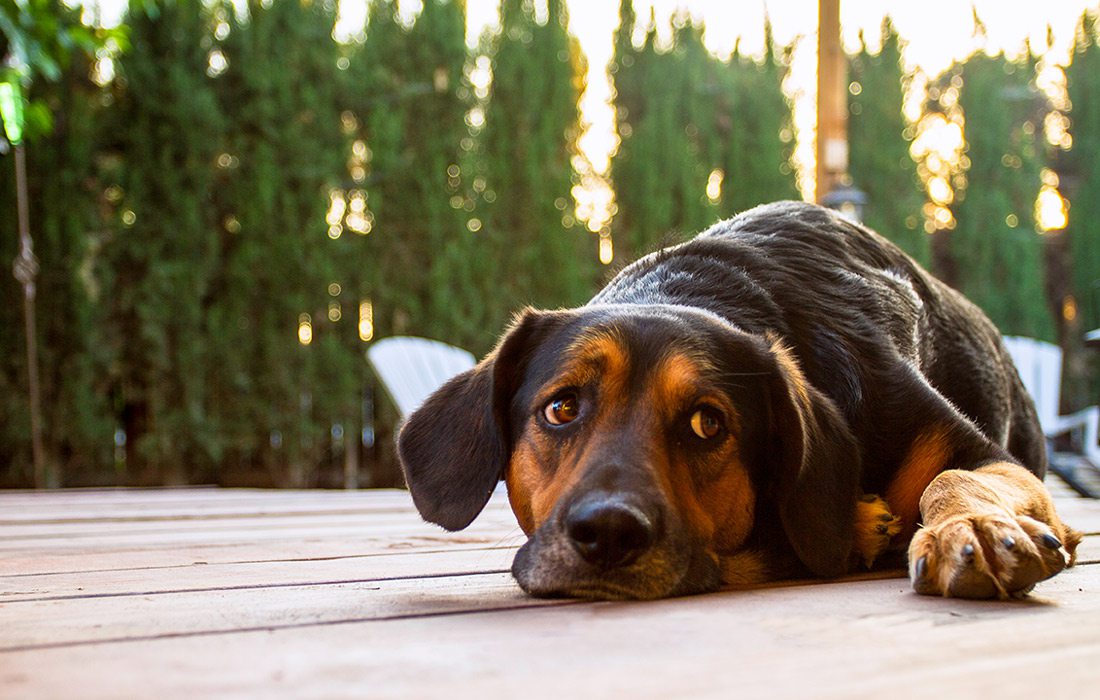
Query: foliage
<point x="688" y="120"/>
<point x="160" y="138"/>
<point x="1081" y="169"/>
<point x="880" y="163"/>
<point x="273" y="398"/>
<point x="65" y="198"/>
<point x="243" y="176"/>
<point x="409" y="97"/>
<point x="531" y="125"/>
<point x="38" y="40"/>
<point x="995" y="245"/>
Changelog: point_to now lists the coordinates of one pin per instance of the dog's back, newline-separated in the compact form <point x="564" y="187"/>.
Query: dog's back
<point x="853" y="307"/>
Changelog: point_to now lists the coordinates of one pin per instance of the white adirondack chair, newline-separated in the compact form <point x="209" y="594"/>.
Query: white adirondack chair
<point x="412" y="368"/>
<point x="1040" y="368"/>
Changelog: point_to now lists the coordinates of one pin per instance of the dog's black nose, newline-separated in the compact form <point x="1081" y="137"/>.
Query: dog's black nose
<point x="608" y="533"/>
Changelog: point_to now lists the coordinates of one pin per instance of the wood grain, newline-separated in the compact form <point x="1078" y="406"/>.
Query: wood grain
<point x="211" y="593"/>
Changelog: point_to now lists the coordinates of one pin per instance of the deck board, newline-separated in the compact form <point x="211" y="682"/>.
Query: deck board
<point x="184" y="593"/>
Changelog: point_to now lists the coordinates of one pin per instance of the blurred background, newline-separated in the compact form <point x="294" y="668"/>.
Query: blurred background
<point x="230" y="201"/>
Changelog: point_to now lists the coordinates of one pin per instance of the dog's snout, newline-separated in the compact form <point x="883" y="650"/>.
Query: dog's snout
<point x="608" y="533"/>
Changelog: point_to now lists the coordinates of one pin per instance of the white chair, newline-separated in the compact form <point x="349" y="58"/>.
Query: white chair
<point x="1040" y="368"/>
<point x="412" y="368"/>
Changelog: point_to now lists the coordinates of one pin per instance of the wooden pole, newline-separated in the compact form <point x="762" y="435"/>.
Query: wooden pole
<point x="832" y="102"/>
<point x="26" y="270"/>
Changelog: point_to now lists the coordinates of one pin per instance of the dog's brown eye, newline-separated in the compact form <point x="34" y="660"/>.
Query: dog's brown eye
<point x="563" y="409"/>
<point x="706" y="423"/>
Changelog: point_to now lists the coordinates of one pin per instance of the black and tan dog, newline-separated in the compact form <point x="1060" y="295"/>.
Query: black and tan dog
<point x="786" y="395"/>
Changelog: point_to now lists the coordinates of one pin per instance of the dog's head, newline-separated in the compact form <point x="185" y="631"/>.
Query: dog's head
<point x="640" y="444"/>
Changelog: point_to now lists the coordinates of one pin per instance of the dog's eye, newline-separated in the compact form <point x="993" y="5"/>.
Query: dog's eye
<point x="706" y="423"/>
<point x="564" y="408"/>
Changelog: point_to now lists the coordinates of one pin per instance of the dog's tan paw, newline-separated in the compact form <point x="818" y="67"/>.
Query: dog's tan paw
<point x="987" y="556"/>
<point x="875" y="527"/>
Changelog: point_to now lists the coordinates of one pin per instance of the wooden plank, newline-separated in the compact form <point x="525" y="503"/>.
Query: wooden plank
<point x="39" y="532"/>
<point x="140" y="616"/>
<point x="77" y="561"/>
<point x="257" y="574"/>
<point x="300" y="571"/>
<point x="129" y="608"/>
<point x="495" y="523"/>
<point x="864" y="639"/>
<point x="67" y="505"/>
<point x="1080" y="513"/>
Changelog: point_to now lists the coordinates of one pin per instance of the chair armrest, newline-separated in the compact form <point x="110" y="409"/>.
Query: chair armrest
<point x="1086" y="420"/>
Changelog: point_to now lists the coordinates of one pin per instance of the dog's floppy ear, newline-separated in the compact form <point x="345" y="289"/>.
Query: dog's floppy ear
<point x="453" y="449"/>
<point x="818" y="464"/>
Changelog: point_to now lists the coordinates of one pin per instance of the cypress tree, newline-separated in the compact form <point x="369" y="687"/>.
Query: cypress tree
<point x="879" y="158"/>
<point x="280" y="375"/>
<point x="701" y="139"/>
<point x="529" y="139"/>
<point x="158" y="258"/>
<point x="758" y="131"/>
<point x="1081" y="165"/>
<point x="995" y="246"/>
<point x="65" y="197"/>
<point x="409" y="93"/>
<point x="659" y="173"/>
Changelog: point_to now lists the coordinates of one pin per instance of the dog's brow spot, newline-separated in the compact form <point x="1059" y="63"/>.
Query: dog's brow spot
<point x="599" y="345"/>
<point x="677" y="379"/>
<point x="600" y="354"/>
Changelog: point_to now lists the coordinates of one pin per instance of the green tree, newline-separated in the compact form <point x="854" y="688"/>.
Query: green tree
<point x="999" y="255"/>
<point x="273" y="397"/>
<point x="660" y="172"/>
<point x="527" y="146"/>
<point x="1081" y="166"/>
<point x="880" y="163"/>
<point x="64" y="214"/>
<point x="162" y="137"/>
<point x="410" y="98"/>
<point x="701" y="138"/>
<point x="757" y="130"/>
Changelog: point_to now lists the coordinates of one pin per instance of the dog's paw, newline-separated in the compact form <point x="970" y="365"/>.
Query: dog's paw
<point x="987" y="556"/>
<point x="875" y="527"/>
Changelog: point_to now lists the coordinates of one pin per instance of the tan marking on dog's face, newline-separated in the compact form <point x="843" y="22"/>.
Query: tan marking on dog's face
<point x="543" y="467"/>
<point x="928" y="456"/>
<point x="711" y="489"/>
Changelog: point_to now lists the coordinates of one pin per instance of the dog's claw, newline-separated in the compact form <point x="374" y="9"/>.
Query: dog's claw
<point x="1008" y="542"/>
<point x="968" y="553"/>
<point x="1051" y="542"/>
<point x="920" y="568"/>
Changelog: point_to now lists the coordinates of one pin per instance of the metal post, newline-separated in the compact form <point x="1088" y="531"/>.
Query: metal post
<point x="25" y="270"/>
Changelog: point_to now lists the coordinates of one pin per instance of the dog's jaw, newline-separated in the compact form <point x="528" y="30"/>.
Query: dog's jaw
<point x="546" y="566"/>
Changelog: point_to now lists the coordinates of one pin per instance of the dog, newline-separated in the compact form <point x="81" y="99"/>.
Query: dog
<point x="787" y="395"/>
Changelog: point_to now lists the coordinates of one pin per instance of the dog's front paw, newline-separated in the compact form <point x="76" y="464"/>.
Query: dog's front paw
<point x="986" y="556"/>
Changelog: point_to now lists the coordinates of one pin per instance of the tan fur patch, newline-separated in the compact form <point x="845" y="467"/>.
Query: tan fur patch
<point x="875" y="526"/>
<point x="722" y="510"/>
<point x="743" y="570"/>
<point x="598" y="355"/>
<point x="928" y="456"/>
<point x="533" y="490"/>
<point x="793" y="371"/>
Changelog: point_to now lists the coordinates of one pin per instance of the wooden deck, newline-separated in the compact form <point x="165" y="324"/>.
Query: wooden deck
<point x="203" y="593"/>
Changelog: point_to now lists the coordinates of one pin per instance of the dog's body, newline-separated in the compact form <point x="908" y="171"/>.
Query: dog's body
<point x="771" y="399"/>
